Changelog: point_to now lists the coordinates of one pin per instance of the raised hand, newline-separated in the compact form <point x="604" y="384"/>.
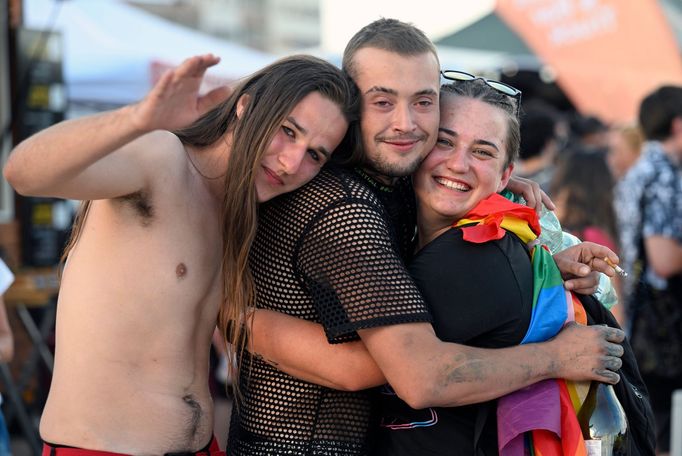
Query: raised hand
<point x="531" y="192"/>
<point x="174" y="101"/>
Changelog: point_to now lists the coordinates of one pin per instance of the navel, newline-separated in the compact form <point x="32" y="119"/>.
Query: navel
<point x="181" y="270"/>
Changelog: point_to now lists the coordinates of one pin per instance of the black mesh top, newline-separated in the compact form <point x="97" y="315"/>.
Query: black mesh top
<point x="328" y="253"/>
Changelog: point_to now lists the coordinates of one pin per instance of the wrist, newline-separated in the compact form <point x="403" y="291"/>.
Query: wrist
<point x="134" y="119"/>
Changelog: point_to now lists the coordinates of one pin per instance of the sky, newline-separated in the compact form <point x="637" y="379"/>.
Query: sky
<point x="341" y="19"/>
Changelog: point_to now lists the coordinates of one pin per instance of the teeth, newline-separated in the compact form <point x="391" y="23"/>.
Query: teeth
<point x="453" y="185"/>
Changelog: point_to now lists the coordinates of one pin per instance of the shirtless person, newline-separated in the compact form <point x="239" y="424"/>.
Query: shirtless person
<point x="143" y="283"/>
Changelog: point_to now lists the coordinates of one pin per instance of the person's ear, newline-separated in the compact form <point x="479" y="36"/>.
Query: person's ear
<point x="241" y="104"/>
<point x="676" y="126"/>
<point x="506" y="175"/>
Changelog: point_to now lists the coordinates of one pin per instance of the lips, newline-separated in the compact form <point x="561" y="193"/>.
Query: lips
<point x="451" y="184"/>
<point x="272" y="177"/>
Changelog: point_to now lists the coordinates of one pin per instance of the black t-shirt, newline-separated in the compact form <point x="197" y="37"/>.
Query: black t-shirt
<point x="479" y="295"/>
<point x="329" y="253"/>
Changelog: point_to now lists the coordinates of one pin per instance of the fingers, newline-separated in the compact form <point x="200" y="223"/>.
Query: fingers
<point x="606" y="375"/>
<point x="569" y="263"/>
<point x="590" y="352"/>
<point x="213" y="98"/>
<point x="196" y="66"/>
<point x="547" y="201"/>
<point x="611" y="362"/>
<point x="614" y="335"/>
<point x="583" y="285"/>
<point x="535" y="197"/>
<point x="528" y="189"/>
<point x="600" y="254"/>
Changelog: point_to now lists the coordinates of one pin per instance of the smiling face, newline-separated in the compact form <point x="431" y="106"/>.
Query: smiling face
<point x="301" y="146"/>
<point x="466" y="165"/>
<point x="399" y="117"/>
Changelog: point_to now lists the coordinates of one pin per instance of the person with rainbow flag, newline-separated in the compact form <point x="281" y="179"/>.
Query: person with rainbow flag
<point x="469" y="238"/>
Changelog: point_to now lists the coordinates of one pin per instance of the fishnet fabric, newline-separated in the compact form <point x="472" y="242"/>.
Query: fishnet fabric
<point x="329" y="253"/>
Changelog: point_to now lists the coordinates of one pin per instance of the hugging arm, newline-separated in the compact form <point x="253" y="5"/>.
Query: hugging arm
<point x="300" y="348"/>
<point x="381" y="302"/>
<point x="91" y="157"/>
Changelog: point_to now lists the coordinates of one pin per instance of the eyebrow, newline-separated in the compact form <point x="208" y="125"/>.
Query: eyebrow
<point x="478" y="141"/>
<point x="395" y="92"/>
<point x="321" y="149"/>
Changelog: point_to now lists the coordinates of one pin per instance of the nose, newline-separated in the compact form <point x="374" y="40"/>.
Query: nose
<point x="403" y="118"/>
<point x="291" y="157"/>
<point x="458" y="160"/>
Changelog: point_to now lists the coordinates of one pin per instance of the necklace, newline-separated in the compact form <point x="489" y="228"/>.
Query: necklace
<point x="372" y="181"/>
<point x="189" y="157"/>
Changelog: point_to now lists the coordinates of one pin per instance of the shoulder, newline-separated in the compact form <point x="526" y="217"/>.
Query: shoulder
<point x="455" y="277"/>
<point x="155" y="154"/>
<point x="450" y="252"/>
<point x="330" y="194"/>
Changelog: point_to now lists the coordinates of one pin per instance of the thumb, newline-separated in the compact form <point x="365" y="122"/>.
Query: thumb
<point x="207" y="102"/>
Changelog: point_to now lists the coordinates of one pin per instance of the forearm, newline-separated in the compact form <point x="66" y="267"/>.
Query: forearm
<point x="664" y="255"/>
<point x="42" y="163"/>
<point x="472" y="375"/>
<point x="427" y="372"/>
<point x="300" y="348"/>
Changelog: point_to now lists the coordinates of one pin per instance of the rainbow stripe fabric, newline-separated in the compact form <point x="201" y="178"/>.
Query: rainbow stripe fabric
<point x="540" y="419"/>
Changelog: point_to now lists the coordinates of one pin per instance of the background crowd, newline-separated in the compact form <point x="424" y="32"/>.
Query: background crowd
<point x="620" y="185"/>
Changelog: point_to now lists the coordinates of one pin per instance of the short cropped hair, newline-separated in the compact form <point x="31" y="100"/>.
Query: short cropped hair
<point x="389" y="35"/>
<point x="657" y="111"/>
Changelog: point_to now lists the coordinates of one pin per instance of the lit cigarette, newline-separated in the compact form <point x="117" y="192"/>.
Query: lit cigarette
<point x="620" y="271"/>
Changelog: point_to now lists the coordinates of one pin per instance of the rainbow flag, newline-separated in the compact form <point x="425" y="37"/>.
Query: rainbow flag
<point x="539" y="419"/>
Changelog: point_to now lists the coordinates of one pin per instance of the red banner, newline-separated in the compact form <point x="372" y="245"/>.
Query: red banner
<point x="607" y="54"/>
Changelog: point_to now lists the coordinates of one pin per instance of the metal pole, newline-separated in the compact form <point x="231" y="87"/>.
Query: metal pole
<point x="676" y="424"/>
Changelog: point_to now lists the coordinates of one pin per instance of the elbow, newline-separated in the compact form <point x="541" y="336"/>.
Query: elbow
<point x="664" y="270"/>
<point x="16" y="178"/>
<point x="418" y="395"/>
<point x="416" y="398"/>
<point x="360" y="382"/>
<point x="350" y="385"/>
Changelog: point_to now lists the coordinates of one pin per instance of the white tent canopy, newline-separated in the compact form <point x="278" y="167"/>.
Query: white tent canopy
<point x="109" y="48"/>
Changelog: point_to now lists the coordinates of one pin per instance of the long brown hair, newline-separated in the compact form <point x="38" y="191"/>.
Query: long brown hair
<point x="273" y="93"/>
<point x="583" y="173"/>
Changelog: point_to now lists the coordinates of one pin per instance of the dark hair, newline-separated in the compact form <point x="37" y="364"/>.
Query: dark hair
<point x="479" y="90"/>
<point x="584" y="174"/>
<point x="390" y="35"/>
<point x="657" y="111"/>
<point x="538" y="127"/>
<point x="582" y="126"/>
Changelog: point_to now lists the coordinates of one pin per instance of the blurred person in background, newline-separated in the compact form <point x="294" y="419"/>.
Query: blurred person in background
<point x="6" y="348"/>
<point x="588" y="131"/>
<point x="649" y="209"/>
<point x="625" y="145"/>
<point x="540" y="144"/>
<point x="582" y="190"/>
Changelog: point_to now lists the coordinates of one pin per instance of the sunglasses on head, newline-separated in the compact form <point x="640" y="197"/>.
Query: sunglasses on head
<point x="501" y="87"/>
